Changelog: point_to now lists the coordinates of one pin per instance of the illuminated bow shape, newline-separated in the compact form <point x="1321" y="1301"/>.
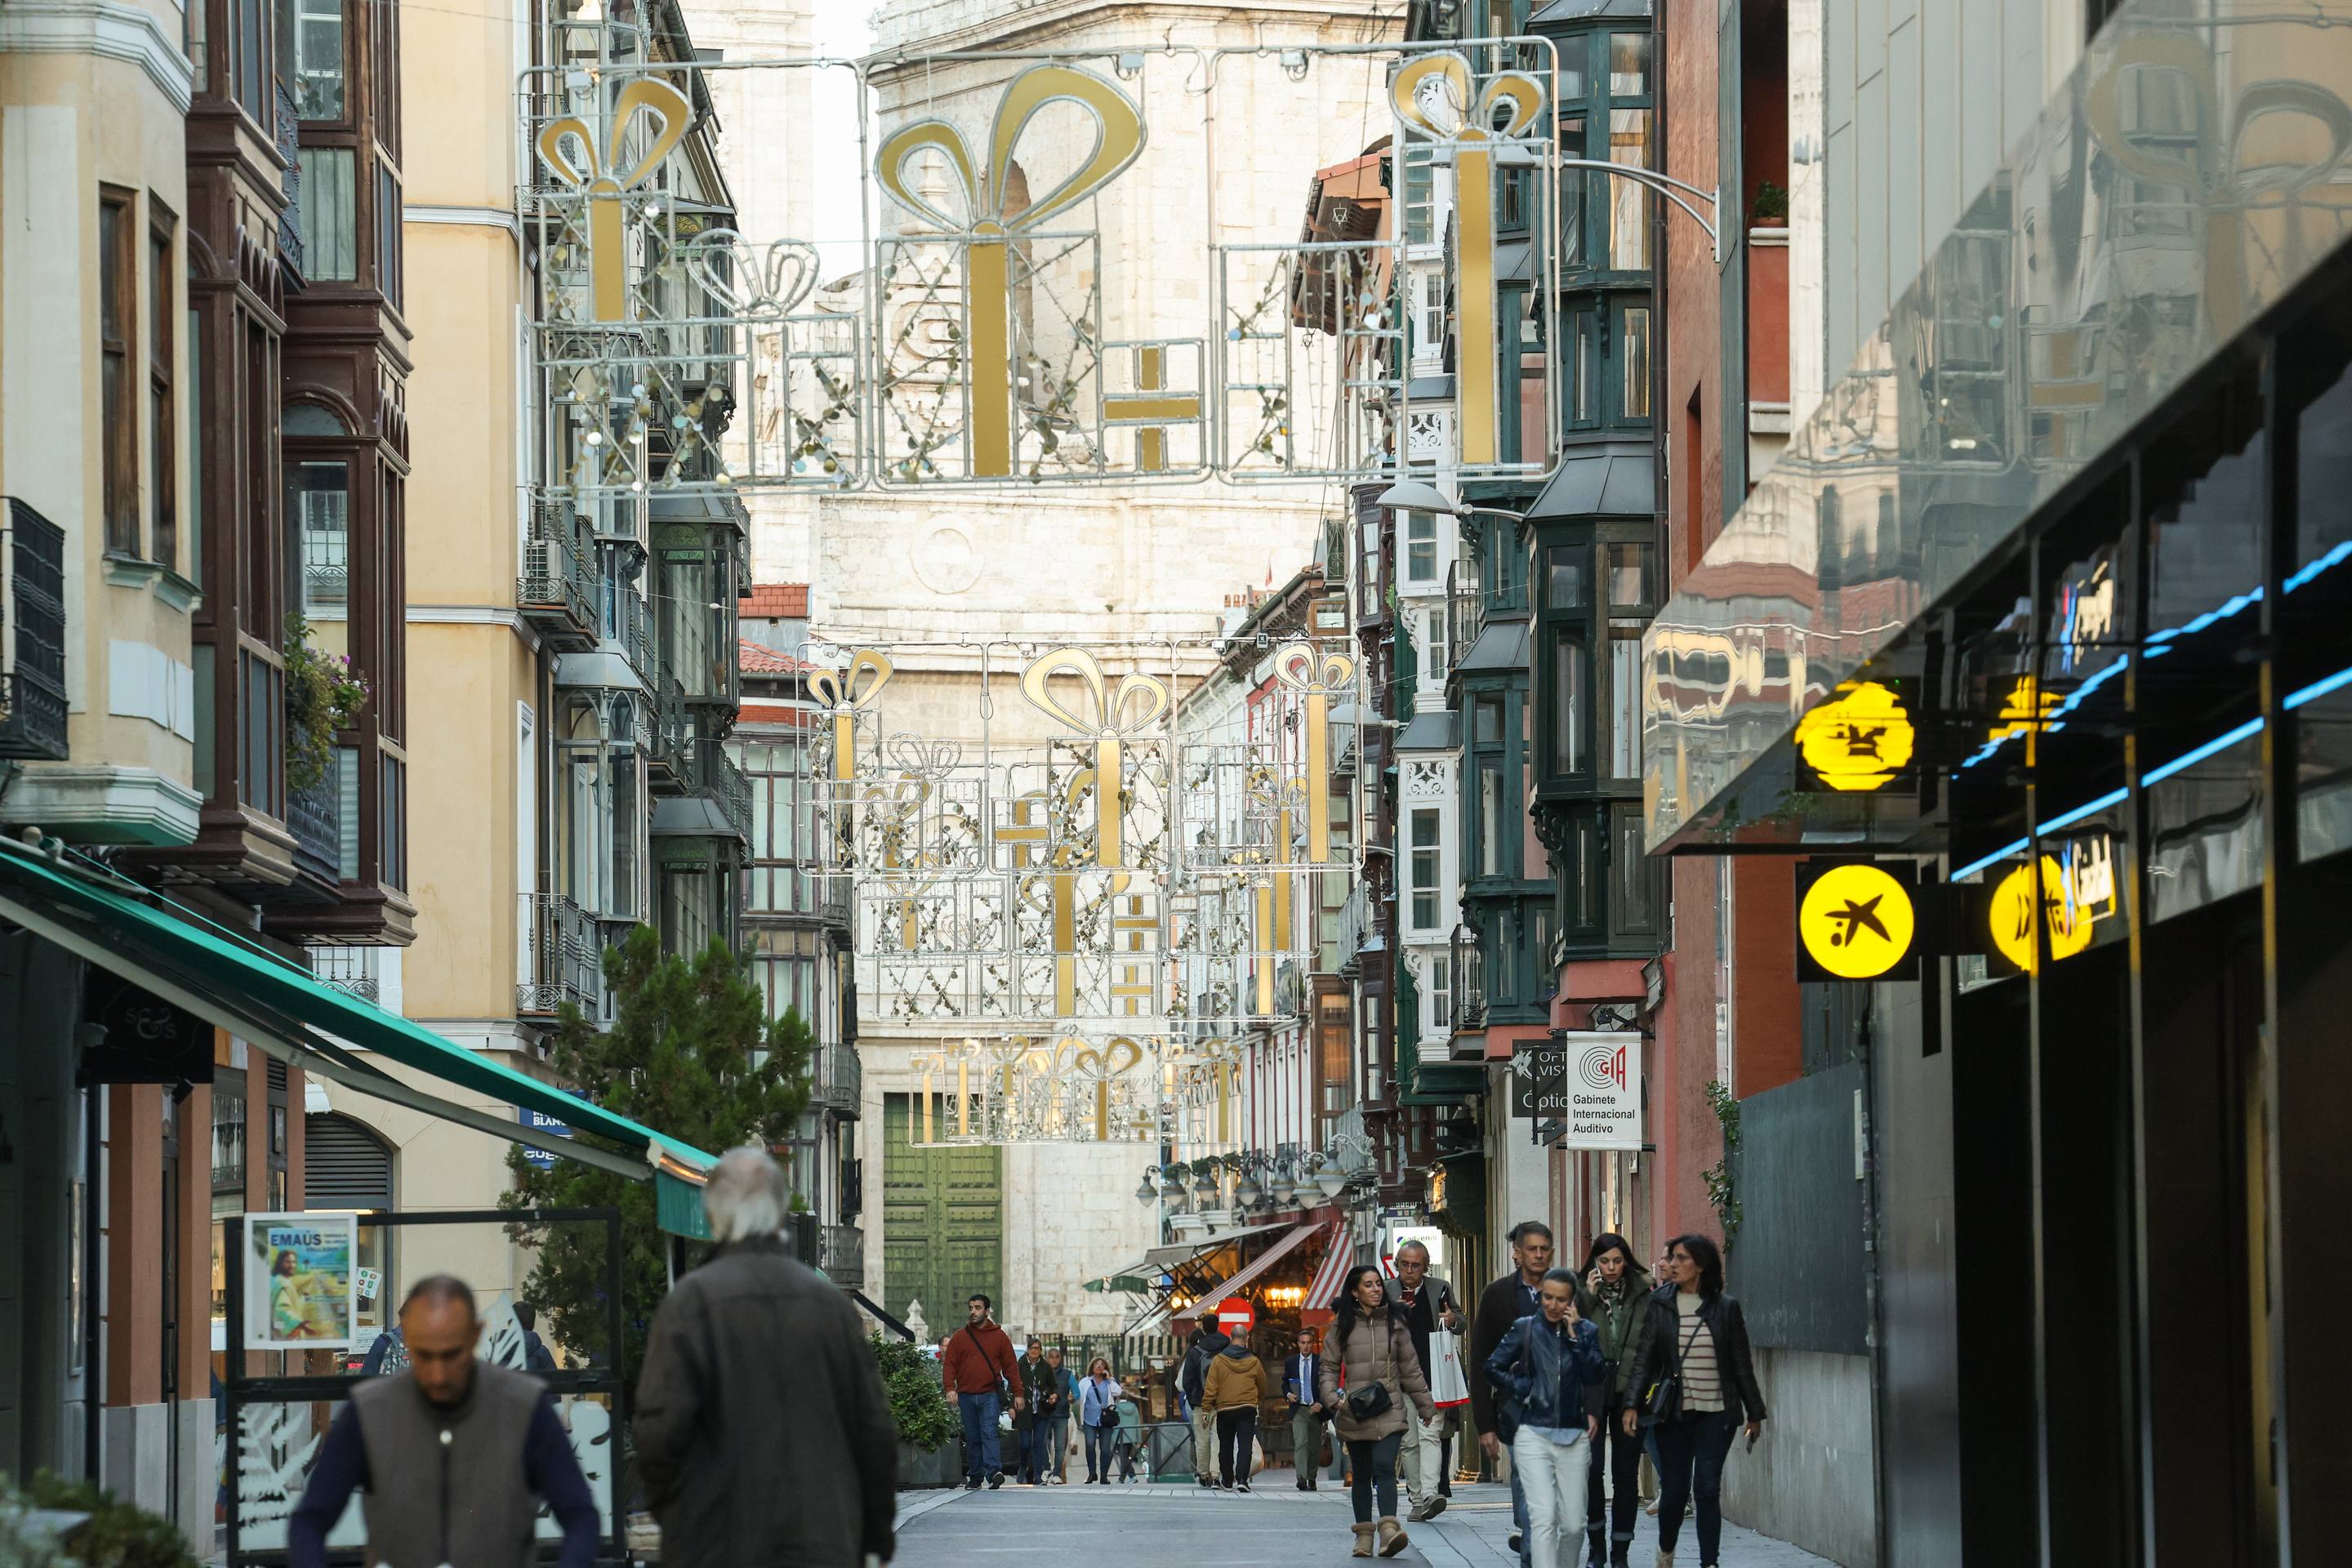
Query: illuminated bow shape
<point x="608" y="265"/>
<point x="1103" y="1069"/>
<point x="1472" y="134"/>
<point x="1118" y="714"/>
<point x="988" y="307"/>
<point x="1317" y="676"/>
<point x="845" y="696"/>
<point x="756" y="288"/>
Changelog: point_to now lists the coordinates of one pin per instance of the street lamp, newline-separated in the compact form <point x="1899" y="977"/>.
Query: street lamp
<point x="1419" y="495"/>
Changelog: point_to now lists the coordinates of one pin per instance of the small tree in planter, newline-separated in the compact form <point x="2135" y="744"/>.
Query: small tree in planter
<point x="918" y="1409"/>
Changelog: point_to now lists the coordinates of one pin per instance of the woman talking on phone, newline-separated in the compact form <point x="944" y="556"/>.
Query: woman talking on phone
<point x="1694" y="1384"/>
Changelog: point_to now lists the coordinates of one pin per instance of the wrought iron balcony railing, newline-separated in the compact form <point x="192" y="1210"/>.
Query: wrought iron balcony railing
<point x="836" y="1080"/>
<point x="1466" y="615"/>
<point x="556" y="594"/>
<point x="1469" y="983"/>
<point x="350" y="969"/>
<point x="32" y="635"/>
<point x="289" y="143"/>
<point x="840" y="1252"/>
<point x="566" y="959"/>
<point x="710" y="772"/>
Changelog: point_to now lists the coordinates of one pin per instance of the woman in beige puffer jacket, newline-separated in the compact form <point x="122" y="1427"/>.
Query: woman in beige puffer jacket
<point x="1368" y="1346"/>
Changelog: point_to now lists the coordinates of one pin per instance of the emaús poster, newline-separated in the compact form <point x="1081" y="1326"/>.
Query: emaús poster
<point x="300" y="1287"/>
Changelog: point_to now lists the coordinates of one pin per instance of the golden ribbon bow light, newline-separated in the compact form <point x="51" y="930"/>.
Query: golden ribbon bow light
<point x="1120" y="714"/>
<point x="1473" y="136"/>
<point x="988" y="301"/>
<point x="602" y="184"/>
<point x="845" y="696"/>
<point x="1316" y="676"/>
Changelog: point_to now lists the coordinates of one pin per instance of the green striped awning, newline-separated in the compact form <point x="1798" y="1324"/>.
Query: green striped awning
<point x="202" y="968"/>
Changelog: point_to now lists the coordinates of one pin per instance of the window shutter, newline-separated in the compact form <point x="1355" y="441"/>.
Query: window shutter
<point x="345" y="1166"/>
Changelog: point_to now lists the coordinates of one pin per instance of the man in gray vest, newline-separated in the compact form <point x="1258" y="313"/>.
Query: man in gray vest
<point x="454" y="1454"/>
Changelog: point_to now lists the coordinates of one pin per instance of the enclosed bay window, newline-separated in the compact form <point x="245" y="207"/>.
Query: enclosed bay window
<point x="311" y="57"/>
<point x="600" y="805"/>
<point x="1424" y="870"/>
<point x="1421" y="547"/>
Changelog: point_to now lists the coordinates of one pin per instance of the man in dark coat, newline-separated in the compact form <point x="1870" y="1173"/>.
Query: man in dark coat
<point x="1515" y="1296"/>
<point x="1207" y="1340"/>
<point x="763" y="1432"/>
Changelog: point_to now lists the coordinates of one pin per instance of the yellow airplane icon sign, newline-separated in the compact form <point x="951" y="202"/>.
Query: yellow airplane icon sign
<point x="1856" y="921"/>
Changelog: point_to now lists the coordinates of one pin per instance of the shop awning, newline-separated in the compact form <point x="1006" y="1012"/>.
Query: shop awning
<point x="1257" y="1269"/>
<point x="1323" y="1290"/>
<point x="1135" y="1278"/>
<point x="1180" y="1252"/>
<point x="202" y="969"/>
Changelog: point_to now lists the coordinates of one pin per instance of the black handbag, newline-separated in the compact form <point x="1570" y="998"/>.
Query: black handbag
<point x="1662" y="1401"/>
<point x="1368" y="1401"/>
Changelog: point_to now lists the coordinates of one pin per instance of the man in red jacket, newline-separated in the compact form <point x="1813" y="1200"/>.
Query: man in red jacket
<point x="977" y="1366"/>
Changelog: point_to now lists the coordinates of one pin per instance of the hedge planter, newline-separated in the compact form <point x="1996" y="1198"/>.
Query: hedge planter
<point x="930" y="1467"/>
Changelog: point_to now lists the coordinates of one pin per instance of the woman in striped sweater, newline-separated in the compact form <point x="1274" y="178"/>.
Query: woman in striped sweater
<point x="1696" y="1335"/>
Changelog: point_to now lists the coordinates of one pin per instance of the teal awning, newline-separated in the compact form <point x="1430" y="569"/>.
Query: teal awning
<point x="203" y="970"/>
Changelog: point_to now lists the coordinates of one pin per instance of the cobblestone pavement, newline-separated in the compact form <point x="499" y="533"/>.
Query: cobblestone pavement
<point x="1277" y="1526"/>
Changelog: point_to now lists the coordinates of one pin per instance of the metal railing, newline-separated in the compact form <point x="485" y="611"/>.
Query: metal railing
<point x="1469" y="982"/>
<point x="32" y="635"/>
<point x="289" y="143"/>
<point x="348" y="969"/>
<point x="556" y="593"/>
<point x="713" y="773"/>
<point x="840" y="1252"/>
<point x="836" y="1079"/>
<point x="566" y="960"/>
<point x="1466" y="617"/>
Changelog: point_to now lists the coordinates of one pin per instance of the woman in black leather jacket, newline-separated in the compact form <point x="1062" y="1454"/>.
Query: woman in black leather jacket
<point x="1547" y="1374"/>
<point x="1694" y="1358"/>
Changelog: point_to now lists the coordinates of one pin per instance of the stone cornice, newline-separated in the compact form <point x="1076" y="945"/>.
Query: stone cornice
<point x="101" y="28"/>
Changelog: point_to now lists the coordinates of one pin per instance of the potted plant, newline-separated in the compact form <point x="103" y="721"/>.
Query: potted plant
<point x="918" y="1409"/>
<point x="324" y="692"/>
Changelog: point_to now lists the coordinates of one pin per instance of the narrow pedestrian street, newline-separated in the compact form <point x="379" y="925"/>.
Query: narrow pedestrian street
<point x="1274" y="1527"/>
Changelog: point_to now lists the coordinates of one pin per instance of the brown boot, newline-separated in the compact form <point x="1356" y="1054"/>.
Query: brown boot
<point x="1364" y="1542"/>
<point x="1393" y="1537"/>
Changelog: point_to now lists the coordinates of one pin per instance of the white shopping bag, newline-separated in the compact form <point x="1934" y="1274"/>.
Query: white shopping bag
<point x="1448" y="1386"/>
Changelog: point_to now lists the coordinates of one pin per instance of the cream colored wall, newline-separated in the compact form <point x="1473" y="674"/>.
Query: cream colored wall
<point x="69" y="123"/>
<point x="463" y="507"/>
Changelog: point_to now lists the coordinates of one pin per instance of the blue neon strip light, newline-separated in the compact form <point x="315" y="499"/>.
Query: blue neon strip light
<point x="2158" y="775"/>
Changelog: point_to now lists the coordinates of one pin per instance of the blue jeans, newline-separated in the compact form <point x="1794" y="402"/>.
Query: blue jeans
<point x="1052" y="1446"/>
<point x="1098" y="1446"/>
<point x="1374" y="1464"/>
<point x="1032" y="1447"/>
<point x="979" y="1456"/>
<point x="1691" y="1453"/>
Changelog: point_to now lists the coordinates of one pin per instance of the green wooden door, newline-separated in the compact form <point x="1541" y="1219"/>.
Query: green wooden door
<point x="942" y="1224"/>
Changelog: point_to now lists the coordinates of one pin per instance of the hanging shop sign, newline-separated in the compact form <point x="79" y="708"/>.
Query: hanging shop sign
<point x="1600" y="1100"/>
<point x="1861" y="741"/>
<point x="2067" y="894"/>
<point x="142" y="1039"/>
<point x="1856" y="921"/>
<point x="1538" y="1081"/>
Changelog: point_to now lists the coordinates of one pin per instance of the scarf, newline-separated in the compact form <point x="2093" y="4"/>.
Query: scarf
<point x="1611" y="1292"/>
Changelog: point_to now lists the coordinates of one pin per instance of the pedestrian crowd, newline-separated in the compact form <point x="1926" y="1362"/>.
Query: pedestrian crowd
<point x="1573" y="1376"/>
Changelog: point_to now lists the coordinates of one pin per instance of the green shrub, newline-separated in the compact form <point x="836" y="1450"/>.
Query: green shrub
<point x="919" y="1403"/>
<point x="117" y="1534"/>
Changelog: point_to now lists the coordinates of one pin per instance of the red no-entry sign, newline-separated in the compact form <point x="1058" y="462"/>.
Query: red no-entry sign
<point x="1234" y="1313"/>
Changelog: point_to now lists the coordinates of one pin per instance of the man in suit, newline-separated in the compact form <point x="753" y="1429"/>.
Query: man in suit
<point x="1426" y="1303"/>
<point x="1299" y="1370"/>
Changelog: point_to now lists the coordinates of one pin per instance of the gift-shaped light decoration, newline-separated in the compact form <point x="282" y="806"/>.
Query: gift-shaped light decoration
<point x="605" y="185"/>
<point x="987" y="277"/>
<point x="1472" y="134"/>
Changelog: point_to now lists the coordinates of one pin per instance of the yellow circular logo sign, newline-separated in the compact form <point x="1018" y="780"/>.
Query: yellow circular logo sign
<point x="1858" y="740"/>
<point x="1856" y="921"/>
<point x="2012" y="917"/>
